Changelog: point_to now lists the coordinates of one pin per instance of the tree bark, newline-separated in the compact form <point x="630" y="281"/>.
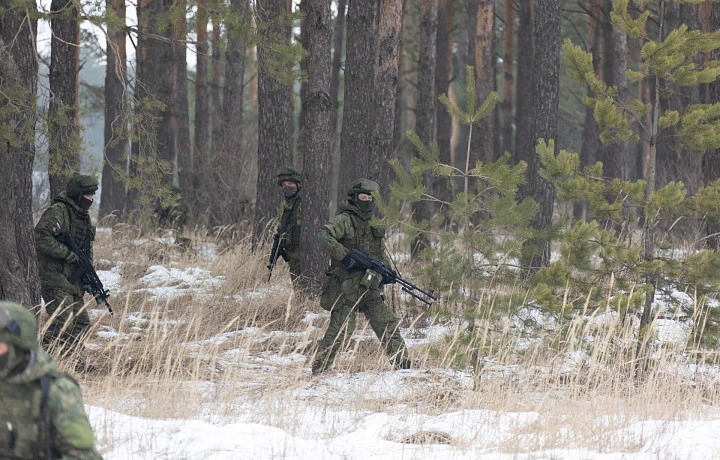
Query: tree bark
<point x="338" y="40"/>
<point x="386" y="82"/>
<point x="180" y="111"/>
<point x="201" y="142"/>
<point x="18" y="88"/>
<point x="359" y="101"/>
<point x="711" y="160"/>
<point x="112" y="198"/>
<point x="215" y="85"/>
<point x="481" y="14"/>
<point x="275" y="116"/>
<point x="64" y="117"/>
<point x="508" y="56"/>
<point x="443" y="76"/>
<point x="524" y="144"/>
<point x="546" y="86"/>
<point x="317" y="106"/>
<point x="425" y="109"/>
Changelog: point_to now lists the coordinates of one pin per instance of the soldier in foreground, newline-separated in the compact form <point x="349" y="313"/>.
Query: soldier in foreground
<point x="286" y="241"/>
<point x="41" y="410"/>
<point x="351" y="288"/>
<point x="56" y="262"/>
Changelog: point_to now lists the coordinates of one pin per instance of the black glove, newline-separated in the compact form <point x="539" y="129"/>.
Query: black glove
<point x="349" y="262"/>
<point x="72" y="258"/>
<point x="390" y="279"/>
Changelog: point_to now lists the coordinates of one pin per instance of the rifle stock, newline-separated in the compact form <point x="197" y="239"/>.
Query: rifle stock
<point x="86" y="272"/>
<point x="390" y="277"/>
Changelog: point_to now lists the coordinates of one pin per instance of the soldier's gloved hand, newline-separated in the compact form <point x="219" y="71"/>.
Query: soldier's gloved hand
<point x="72" y="258"/>
<point x="390" y="278"/>
<point x="349" y="262"/>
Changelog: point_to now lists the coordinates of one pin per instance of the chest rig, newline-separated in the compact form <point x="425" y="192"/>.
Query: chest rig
<point x="364" y="237"/>
<point x="24" y="429"/>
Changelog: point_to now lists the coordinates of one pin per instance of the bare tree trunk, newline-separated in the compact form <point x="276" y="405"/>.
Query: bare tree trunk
<point x="64" y="117"/>
<point x="359" y="102"/>
<point x="591" y="144"/>
<point x="217" y="136"/>
<point x="425" y="110"/>
<point x="508" y="56"/>
<point x="201" y="142"/>
<point x="338" y="40"/>
<point x="180" y="112"/>
<point x="317" y="105"/>
<point x="443" y="76"/>
<point x="481" y="14"/>
<point x="18" y="87"/>
<point x="386" y="89"/>
<point x="274" y="113"/>
<point x="112" y="198"/>
<point x="524" y="144"/>
<point x="711" y="160"/>
<point x="546" y="94"/>
<point x="398" y="128"/>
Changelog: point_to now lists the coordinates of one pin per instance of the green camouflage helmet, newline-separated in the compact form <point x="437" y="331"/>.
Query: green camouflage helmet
<point x="288" y="174"/>
<point x="18" y="326"/>
<point x="80" y="184"/>
<point x="363" y="186"/>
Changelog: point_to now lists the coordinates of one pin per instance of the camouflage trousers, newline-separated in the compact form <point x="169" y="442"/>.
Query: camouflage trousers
<point x="342" y="324"/>
<point x="71" y="322"/>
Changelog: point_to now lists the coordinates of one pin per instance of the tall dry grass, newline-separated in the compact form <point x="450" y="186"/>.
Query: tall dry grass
<point x="240" y="351"/>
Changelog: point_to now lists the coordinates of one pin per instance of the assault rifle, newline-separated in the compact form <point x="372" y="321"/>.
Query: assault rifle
<point x="277" y="251"/>
<point x="359" y="259"/>
<point x="86" y="272"/>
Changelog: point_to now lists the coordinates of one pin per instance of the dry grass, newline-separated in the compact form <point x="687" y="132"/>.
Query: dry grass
<point x="243" y="345"/>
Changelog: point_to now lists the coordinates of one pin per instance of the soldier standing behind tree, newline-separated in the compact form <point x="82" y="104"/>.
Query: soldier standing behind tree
<point x="41" y="410"/>
<point x="351" y="289"/>
<point x="56" y="262"/>
<point x="288" y="231"/>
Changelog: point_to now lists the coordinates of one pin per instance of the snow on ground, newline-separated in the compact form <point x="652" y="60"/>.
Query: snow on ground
<point x="329" y="418"/>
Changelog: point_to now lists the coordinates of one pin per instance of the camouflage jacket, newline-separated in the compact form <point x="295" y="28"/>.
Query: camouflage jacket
<point x="64" y="215"/>
<point x="352" y="229"/>
<point x="23" y="432"/>
<point x="291" y="209"/>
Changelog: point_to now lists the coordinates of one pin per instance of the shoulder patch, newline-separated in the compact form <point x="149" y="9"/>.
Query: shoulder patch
<point x="56" y="226"/>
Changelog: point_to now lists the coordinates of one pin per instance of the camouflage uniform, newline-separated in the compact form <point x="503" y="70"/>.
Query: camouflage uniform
<point x="56" y="263"/>
<point x="343" y="293"/>
<point x="290" y="213"/>
<point x="41" y="409"/>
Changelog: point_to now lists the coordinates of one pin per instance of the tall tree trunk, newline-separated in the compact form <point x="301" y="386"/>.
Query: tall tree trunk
<point x="112" y="198"/>
<point x="317" y="106"/>
<point x="443" y="76"/>
<point x="614" y="156"/>
<point x="274" y="113"/>
<point x="398" y="128"/>
<point x="591" y="144"/>
<point x="64" y="116"/>
<point x="481" y="14"/>
<point x="359" y="102"/>
<point x="508" y="56"/>
<point x="546" y="86"/>
<point x="18" y="86"/>
<point x="386" y="82"/>
<point x="524" y="144"/>
<point x="234" y="165"/>
<point x="216" y="85"/>
<point x="180" y="111"/>
<point x="338" y="40"/>
<point x="690" y="165"/>
<point x="425" y="109"/>
<point x="711" y="160"/>
<point x="201" y="142"/>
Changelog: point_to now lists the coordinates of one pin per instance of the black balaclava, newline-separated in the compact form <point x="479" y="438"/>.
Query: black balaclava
<point x="289" y="191"/>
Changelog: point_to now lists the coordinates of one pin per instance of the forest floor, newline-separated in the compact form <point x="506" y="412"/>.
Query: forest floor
<point x="205" y="359"/>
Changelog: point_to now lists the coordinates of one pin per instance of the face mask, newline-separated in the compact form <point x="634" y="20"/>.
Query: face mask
<point x="364" y="206"/>
<point x="289" y="191"/>
<point x="85" y="203"/>
<point x="14" y="361"/>
<point x="3" y="362"/>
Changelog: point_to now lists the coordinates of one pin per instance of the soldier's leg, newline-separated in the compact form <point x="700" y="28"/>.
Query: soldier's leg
<point x="60" y="306"/>
<point x="386" y="326"/>
<point x="342" y="325"/>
